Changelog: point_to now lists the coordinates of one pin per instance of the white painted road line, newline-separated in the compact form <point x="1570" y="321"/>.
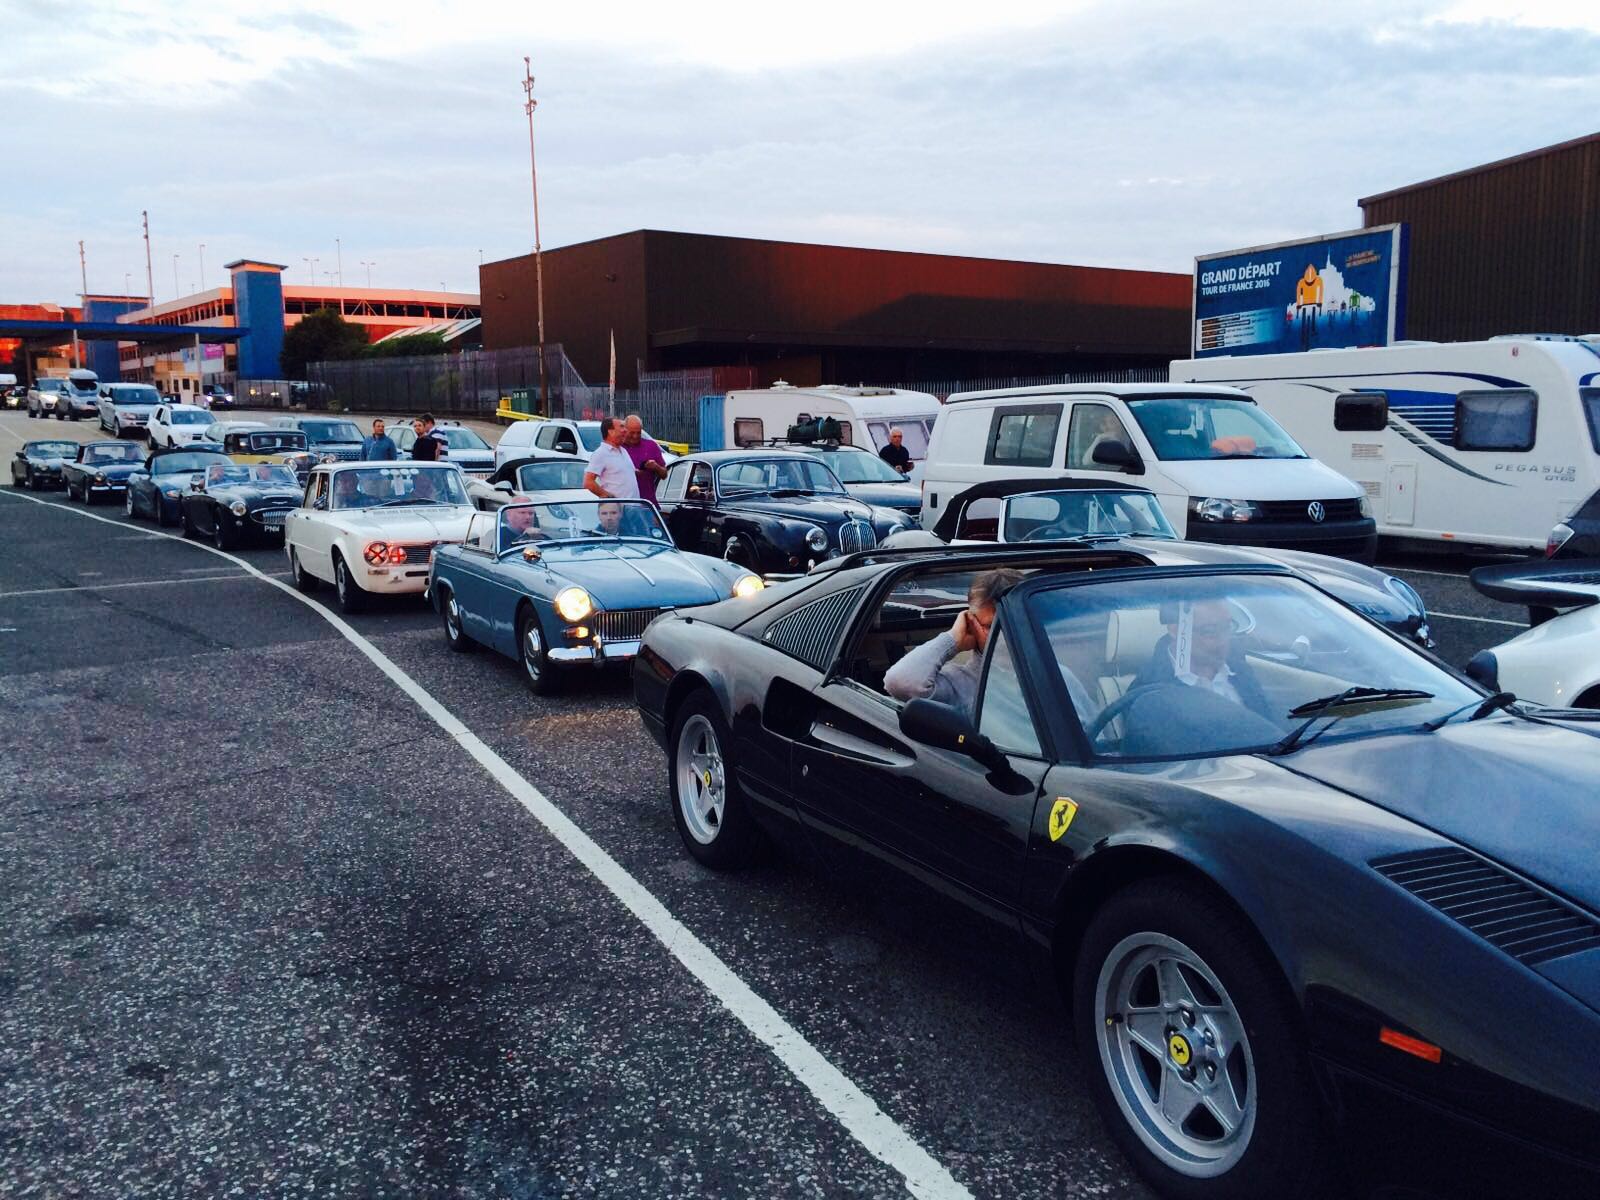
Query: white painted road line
<point x="1480" y="620"/>
<point x="92" y="588"/>
<point x="878" y="1133"/>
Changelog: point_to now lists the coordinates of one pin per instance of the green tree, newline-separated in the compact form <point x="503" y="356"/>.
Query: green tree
<point x="322" y="336"/>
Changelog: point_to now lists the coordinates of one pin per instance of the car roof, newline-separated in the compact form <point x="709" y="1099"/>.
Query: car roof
<point x="1126" y="391"/>
<point x="541" y="456"/>
<point x="180" y="406"/>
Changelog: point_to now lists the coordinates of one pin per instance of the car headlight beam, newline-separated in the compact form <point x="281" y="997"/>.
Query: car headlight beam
<point x="817" y="538"/>
<point x="748" y="585"/>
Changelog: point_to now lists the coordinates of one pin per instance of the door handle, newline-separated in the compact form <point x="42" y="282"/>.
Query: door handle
<point x="858" y="748"/>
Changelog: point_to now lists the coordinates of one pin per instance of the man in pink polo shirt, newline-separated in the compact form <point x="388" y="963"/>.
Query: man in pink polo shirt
<point x="648" y="459"/>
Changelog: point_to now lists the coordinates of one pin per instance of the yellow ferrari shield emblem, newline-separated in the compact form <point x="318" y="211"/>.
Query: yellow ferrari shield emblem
<point x="1061" y="815"/>
<point x="1178" y="1047"/>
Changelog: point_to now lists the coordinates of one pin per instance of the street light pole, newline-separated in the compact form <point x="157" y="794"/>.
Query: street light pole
<point x="149" y="273"/>
<point x="202" y="266"/>
<point x="369" y="267"/>
<point x="176" y="290"/>
<point x="77" y="349"/>
<point x="538" y="254"/>
<point x="338" y="250"/>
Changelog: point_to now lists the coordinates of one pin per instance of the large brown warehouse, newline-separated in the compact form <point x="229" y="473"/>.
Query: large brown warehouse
<point x="1509" y="247"/>
<point x="815" y="314"/>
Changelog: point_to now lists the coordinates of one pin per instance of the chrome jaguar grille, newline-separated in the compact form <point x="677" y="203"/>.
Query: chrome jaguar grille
<point x="855" y="536"/>
<point x="625" y="624"/>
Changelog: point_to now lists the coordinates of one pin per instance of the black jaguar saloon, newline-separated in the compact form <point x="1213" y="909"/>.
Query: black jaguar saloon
<point x="239" y="502"/>
<point x="772" y="511"/>
<point x="1320" y="905"/>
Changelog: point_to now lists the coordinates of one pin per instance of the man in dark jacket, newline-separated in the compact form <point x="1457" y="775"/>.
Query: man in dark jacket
<point x="429" y="446"/>
<point x="895" y="453"/>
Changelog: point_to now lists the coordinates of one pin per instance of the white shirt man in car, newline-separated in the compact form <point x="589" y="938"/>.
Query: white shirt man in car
<point x="611" y="474"/>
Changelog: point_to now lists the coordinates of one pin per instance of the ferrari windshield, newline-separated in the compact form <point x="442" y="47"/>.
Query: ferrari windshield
<point x="551" y="476"/>
<point x="797" y="474"/>
<point x="113" y="452"/>
<point x="580" y="519"/>
<point x="1191" y="428"/>
<point x="859" y="466"/>
<point x="1053" y="516"/>
<point x="407" y="484"/>
<point x="261" y="473"/>
<point x="1196" y="665"/>
<point x="185" y="463"/>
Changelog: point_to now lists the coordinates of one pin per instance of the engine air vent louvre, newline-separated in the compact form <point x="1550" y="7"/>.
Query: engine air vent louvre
<point x="1527" y="924"/>
<point x="807" y="633"/>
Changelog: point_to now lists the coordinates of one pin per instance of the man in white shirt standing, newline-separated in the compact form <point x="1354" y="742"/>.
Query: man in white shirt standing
<point x="611" y="474"/>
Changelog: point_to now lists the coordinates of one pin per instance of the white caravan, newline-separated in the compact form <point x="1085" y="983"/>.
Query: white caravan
<point x="1488" y="443"/>
<point x="866" y="416"/>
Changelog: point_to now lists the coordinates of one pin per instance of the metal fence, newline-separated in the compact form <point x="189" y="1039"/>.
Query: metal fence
<point x="468" y="384"/>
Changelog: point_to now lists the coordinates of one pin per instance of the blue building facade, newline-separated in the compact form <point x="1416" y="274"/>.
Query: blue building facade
<point x="258" y="310"/>
<point x="103" y="357"/>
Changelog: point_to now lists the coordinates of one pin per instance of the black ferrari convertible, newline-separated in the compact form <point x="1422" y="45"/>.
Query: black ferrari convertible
<point x="1316" y="898"/>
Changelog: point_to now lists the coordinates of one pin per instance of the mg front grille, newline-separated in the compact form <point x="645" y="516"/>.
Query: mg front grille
<point x="625" y="624"/>
<point x="856" y="536"/>
<point x="1528" y="924"/>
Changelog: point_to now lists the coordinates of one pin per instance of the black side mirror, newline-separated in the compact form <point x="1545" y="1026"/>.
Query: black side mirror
<point x="1117" y="454"/>
<point x="948" y="728"/>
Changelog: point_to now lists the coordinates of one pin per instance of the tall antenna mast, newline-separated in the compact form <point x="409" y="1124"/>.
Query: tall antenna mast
<point x="538" y="255"/>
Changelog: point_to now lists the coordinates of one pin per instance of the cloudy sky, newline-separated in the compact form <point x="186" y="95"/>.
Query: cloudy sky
<point x="1135" y="133"/>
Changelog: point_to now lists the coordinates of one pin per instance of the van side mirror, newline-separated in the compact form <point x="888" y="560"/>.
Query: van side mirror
<point x="1361" y="412"/>
<point x="1119" y="454"/>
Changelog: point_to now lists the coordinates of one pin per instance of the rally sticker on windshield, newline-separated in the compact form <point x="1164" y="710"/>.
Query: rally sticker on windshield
<point x="1061" y="814"/>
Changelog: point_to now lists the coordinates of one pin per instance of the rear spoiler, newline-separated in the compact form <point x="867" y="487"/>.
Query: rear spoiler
<point x="1541" y="583"/>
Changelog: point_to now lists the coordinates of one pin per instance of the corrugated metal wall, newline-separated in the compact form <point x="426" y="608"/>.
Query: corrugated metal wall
<point x="1512" y="247"/>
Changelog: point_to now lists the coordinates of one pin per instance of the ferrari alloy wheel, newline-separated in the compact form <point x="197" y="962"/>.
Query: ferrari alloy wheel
<point x="303" y="580"/>
<point x="710" y="811"/>
<point x="455" y="635"/>
<point x="531" y="650"/>
<point x="1202" y="1077"/>
<point x="351" y="598"/>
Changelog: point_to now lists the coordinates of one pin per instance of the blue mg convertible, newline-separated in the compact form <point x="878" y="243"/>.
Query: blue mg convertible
<point x="570" y="581"/>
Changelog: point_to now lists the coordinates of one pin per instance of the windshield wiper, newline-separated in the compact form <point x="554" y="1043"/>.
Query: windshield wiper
<point x="408" y="500"/>
<point x="789" y="492"/>
<point x="1480" y="709"/>
<point x="1314" y="710"/>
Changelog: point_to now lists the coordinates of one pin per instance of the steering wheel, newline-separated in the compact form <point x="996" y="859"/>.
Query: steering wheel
<point x="1114" y="710"/>
<point x="1055" y="530"/>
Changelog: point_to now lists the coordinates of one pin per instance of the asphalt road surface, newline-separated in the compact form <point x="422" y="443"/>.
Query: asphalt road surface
<point x="267" y="927"/>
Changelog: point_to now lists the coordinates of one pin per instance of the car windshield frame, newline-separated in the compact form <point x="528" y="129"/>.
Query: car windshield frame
<point x="638" y="521"/>
<point x="329" y="424"/>
<point x="190" y="416"/>
<point x="1155" y="516"/>
<point x="68" y="450"/>
<point x="252" y="474"/>
<point x="1192" y="444"/>
<point x="125" y="452"/>
<point x="569" y="465"/>
<point x="451" y="492"/>
<point x="251" y="435"/>
<point x="1051" y="598"/>
<point x="806" y="464"/>
<point x="162" y="464"/>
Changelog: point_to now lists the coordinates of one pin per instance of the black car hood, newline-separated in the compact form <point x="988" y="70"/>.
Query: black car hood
<point x="820" y="510"/>
<point x="902" y="496"/>
<point x="1524" y="794"/>
<point x="113" y="470"/>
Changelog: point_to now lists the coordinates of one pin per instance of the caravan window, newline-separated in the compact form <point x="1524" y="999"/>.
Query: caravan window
<point x="1590" y="399"/>
<point x="1502" y="420"/>
<point x="1023" y="435"/>
<point x="748" y="431"/>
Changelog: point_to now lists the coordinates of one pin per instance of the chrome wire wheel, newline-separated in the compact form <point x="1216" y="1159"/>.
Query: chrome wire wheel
<point x="702" y="779"/>
<point x="1175" y="1052"/>
<point x="532" y="649"/>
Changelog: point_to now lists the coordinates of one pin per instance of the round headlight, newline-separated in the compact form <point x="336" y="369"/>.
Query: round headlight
<point x="1363" y="505"/>
<point x="99" y="478"/>
<point x="376" y="553"/>
<point x="573" y="604"/>
<point x="237" y="508"/>
<point x="817" y="539"/>
<point x="747" y="585"/>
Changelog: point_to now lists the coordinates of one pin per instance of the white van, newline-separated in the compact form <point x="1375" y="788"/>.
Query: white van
<point x="866" y="416"/>
<point x="1223" y="469"/>
<point x="1488" y="442"/>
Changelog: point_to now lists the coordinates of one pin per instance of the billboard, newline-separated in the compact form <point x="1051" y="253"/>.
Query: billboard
<point x="1334" y="291"/>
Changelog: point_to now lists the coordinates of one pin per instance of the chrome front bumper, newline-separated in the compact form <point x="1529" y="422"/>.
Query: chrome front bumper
<point x="595" y="652"/>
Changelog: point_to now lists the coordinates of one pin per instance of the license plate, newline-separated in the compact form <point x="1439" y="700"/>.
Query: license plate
<point x="272" y="519"/>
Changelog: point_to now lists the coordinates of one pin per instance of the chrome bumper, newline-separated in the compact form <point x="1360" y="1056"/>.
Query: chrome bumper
<point x="596" y="653"/>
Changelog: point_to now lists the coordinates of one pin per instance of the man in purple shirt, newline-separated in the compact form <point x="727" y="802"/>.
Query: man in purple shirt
<point x="647" y="458"/>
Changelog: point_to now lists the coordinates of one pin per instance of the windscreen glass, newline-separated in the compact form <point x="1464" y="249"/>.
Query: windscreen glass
<point x="331" y="431"/>
<point x="461" y="439"/>
<point x="776" y="476"/>
<point x="180" y="464"/>
<point x="580" y="520"/>
<point x="186" y="416"/>
<point x="550" y="476"/>
<point x="114" y="452"/>
<point x="1053" y="516"/>
<point x="1196" y="428"/>
<point x="374" y="487"/>
<point x="859" y="466"/>
<point x="135" y="393"/>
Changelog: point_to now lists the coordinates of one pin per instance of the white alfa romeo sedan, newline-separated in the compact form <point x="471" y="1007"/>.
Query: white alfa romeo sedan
<point x="370" y="528"/>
